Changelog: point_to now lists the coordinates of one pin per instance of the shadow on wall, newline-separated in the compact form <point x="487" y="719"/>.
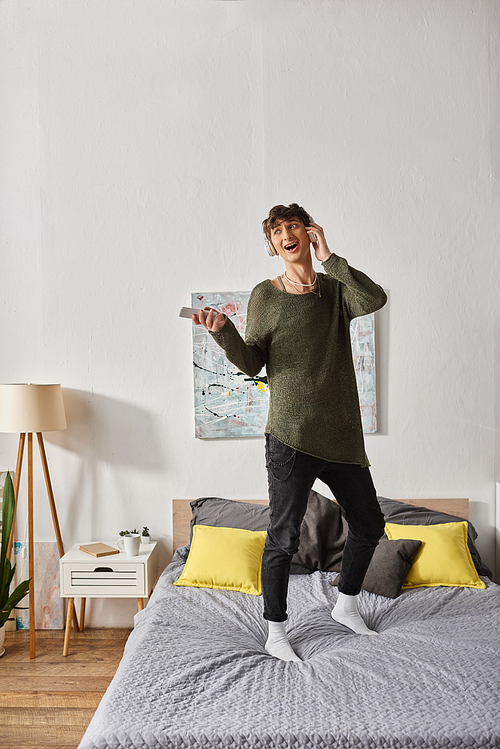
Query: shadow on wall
<point x="109" y="430"/>
<point x="103" y="430"/>
<point x="382" y="347"/>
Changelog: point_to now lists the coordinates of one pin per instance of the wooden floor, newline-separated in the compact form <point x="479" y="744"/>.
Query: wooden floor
<point x="49" y="701"/>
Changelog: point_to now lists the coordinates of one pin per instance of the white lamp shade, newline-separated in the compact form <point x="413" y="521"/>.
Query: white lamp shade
<point x="31" y="408"/>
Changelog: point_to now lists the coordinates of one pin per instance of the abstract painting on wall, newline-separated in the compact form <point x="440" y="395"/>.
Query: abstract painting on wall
<point x="228" y="403"/>
<point x="48" y="602"/>
<point x="363" y="354"/>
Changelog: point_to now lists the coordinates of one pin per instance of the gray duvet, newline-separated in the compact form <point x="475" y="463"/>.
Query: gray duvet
<point x="195" y="674"/>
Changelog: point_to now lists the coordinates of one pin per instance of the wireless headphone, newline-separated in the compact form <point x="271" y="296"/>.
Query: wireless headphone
<point x="269" y="247"/>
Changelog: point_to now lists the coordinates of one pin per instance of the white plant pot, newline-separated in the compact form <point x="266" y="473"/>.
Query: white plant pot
<point x="2" y="638"/>
<point x="145" y="539"/>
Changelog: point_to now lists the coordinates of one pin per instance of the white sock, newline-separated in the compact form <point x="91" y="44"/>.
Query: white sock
<point x="346" y="612"/>
<point x="277" y="643"/>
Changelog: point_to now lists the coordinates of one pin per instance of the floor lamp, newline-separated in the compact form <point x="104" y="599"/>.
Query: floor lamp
<point x="28" y="410"/>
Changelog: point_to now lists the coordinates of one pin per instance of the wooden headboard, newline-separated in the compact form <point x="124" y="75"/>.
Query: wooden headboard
<point x="181" y="511"/>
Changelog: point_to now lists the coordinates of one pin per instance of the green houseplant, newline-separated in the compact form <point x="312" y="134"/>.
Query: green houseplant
<point x="8" y="601"/>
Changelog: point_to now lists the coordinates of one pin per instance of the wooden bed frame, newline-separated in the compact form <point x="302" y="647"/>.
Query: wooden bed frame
<point x="181" y="511"/>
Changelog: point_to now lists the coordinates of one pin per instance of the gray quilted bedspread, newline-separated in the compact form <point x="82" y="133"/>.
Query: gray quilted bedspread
<point x="195" y="673"/>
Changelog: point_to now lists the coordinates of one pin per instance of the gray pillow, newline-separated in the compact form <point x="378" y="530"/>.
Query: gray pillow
<point x="323" y="535"/>
<point x="389" y="566"/>
<point x="399" y="512"/>
<point x="227" y="513"/>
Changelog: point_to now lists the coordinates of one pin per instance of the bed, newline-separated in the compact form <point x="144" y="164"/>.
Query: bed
<point x="195" y="674"/>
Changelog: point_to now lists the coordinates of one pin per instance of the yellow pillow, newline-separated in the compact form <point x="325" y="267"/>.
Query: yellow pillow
<point x="226" y="558"/>
<point x="443" y="558"/>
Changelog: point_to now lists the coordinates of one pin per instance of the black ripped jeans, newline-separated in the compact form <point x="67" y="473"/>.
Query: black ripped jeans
<point x="291" y="475"/>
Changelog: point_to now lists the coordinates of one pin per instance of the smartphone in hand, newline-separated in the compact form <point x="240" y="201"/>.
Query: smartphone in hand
<point x="188" y="312"/>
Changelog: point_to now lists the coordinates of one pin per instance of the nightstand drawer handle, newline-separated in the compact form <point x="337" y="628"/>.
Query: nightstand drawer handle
<point x="103" y="569"/>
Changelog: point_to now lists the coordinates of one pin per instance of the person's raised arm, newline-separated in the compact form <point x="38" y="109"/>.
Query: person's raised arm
<point x="361" y="295"/>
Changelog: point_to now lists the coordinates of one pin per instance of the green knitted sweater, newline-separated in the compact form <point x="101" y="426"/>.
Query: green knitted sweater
<point x="304" y="342"/>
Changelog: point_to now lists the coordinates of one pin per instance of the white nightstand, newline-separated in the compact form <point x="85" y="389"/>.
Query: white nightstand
<point x="112" y="576"/>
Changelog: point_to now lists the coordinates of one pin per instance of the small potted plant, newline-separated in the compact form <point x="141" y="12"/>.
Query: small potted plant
<point x="127" y="533"/>
<point x="8" y="601"/>
<point x="145" y="538"/>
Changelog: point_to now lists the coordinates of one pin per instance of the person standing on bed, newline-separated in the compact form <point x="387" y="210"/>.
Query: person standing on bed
<point x="298" y="326"/>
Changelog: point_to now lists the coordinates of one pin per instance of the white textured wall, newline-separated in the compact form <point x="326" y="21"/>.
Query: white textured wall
<point x="141" y="145"/>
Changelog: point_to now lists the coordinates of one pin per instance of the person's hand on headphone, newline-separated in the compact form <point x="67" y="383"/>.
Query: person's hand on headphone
<point x="318" y="241"/>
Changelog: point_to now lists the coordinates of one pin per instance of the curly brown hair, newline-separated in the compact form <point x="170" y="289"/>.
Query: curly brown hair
<point x="284" y="213"/>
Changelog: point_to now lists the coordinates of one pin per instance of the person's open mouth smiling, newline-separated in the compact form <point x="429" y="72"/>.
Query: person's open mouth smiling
<point x="291" y="246"/>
